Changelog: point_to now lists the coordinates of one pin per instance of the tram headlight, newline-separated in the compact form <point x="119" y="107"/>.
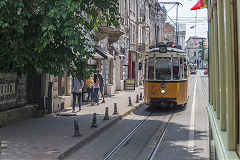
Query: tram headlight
<point x="163" y="91"/>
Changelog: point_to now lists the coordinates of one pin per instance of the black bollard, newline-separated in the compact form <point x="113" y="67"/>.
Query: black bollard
<point x="76" y="129"/>
<point x="137" y="99"/>
<point x="106" y="117"/>
<point x="115" y="109"/>
<point x="130" y="101"/>
<point x="94" y="123"/>
<point x="140" y="96"/>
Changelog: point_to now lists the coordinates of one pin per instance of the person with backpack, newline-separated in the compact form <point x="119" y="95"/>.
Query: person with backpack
<point x="77" y="86"/>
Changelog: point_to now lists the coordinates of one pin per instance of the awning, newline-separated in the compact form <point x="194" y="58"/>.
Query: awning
<point x="97" y="56"/>
<point x="103" y="53"/>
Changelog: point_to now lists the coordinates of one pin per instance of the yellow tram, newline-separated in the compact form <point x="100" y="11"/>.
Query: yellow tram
<point x="193" y="68"/>
<point x="166" y="77"/>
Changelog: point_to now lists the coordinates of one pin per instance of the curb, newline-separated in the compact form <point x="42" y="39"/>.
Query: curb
<point x="97" y="133"/>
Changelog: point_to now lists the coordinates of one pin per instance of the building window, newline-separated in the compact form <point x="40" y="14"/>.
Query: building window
<point x="195" y="54"/>
<point x="133" y="33"/>
<point x="133" y="5"/>
<point x="175" y="65"/>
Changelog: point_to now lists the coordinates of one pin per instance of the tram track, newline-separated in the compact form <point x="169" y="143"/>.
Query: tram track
<point x="162" y="129"/>
<point x="125" y="140"/>
<point x="162" y="135"/>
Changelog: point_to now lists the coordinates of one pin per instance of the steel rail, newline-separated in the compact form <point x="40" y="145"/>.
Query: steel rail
<point x="119" y="146"/>
<point x="156" y="147"/>
<point x="162" y="135"/>
<point x="110" y="154"/>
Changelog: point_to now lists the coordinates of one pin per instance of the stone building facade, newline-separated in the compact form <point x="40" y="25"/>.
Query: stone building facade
<point x="169" y="31"/>
<point x="194" y="50"/>
<point x="181" y="34"/>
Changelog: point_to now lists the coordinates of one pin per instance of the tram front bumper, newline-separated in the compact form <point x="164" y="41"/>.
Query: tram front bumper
<point x="164" y="102"/>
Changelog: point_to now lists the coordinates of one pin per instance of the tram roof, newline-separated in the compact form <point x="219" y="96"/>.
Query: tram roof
<point x="169" y="49"/>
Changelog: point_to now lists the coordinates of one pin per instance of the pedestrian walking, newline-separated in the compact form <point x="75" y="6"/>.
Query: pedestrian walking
<point x="77" y="86"/>
<point x="95" y="89"/>
<point x="89" y="85"/>
<point x="101" y="84"/>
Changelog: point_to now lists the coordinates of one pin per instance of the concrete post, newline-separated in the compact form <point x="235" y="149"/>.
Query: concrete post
<point x="222" y="66"/>
<point x="230" y="77"/>
<point x="211" y="66"/>
<point x="238" y="13"/>
<point x="216" y="82"/>
<point x="105" y="75"/>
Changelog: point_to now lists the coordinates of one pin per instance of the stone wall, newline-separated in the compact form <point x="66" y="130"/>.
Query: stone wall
<point x="18" y="114"/>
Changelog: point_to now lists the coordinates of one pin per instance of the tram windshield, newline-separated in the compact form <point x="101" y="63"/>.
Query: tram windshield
<point x="166" y="68"/>
<point x="163" y="68"/>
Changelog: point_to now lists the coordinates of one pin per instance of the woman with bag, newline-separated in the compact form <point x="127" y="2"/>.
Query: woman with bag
<point x="96" y="89"/>
<point x="89" y="85"/>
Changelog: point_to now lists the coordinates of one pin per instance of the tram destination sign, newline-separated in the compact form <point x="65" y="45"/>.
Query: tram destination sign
<point x="8" y="93"/>
<point x="129" y="84"/>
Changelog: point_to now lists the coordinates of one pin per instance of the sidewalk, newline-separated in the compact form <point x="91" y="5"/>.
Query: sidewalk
<point x="50" y="137"/>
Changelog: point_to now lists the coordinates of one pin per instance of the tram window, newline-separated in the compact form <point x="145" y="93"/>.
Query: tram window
<point x="163" y="68"/>
<point x="181" y="68"/>
<point x="151" y="68"/>
<point x="185" y="68"/>
<point x="175" y="68"/>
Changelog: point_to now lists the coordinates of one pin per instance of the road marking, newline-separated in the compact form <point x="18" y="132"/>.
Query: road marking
<point x="191" y="128"/>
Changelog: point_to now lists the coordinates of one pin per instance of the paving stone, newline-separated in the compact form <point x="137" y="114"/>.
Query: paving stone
<point x="50" y="136"/>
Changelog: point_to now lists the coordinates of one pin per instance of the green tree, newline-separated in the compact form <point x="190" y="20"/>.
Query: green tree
<point x="49" y="36"/>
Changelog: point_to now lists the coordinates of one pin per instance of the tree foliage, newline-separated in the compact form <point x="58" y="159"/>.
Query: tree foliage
<point x="49" y="36"/>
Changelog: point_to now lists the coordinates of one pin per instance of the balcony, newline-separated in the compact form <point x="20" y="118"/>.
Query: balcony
<point x="113" y="33"/>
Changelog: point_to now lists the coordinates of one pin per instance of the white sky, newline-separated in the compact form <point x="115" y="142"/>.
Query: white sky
<point x="187" y="17"/>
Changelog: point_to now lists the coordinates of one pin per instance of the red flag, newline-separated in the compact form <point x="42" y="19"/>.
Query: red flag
<point x="200" y="4"/>
<point x="173" y="44"/>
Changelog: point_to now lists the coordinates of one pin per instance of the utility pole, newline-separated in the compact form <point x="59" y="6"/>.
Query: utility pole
<point x="177" y="25"/>
<point x="196" y="24"/>
<point x="202" y="50"/>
